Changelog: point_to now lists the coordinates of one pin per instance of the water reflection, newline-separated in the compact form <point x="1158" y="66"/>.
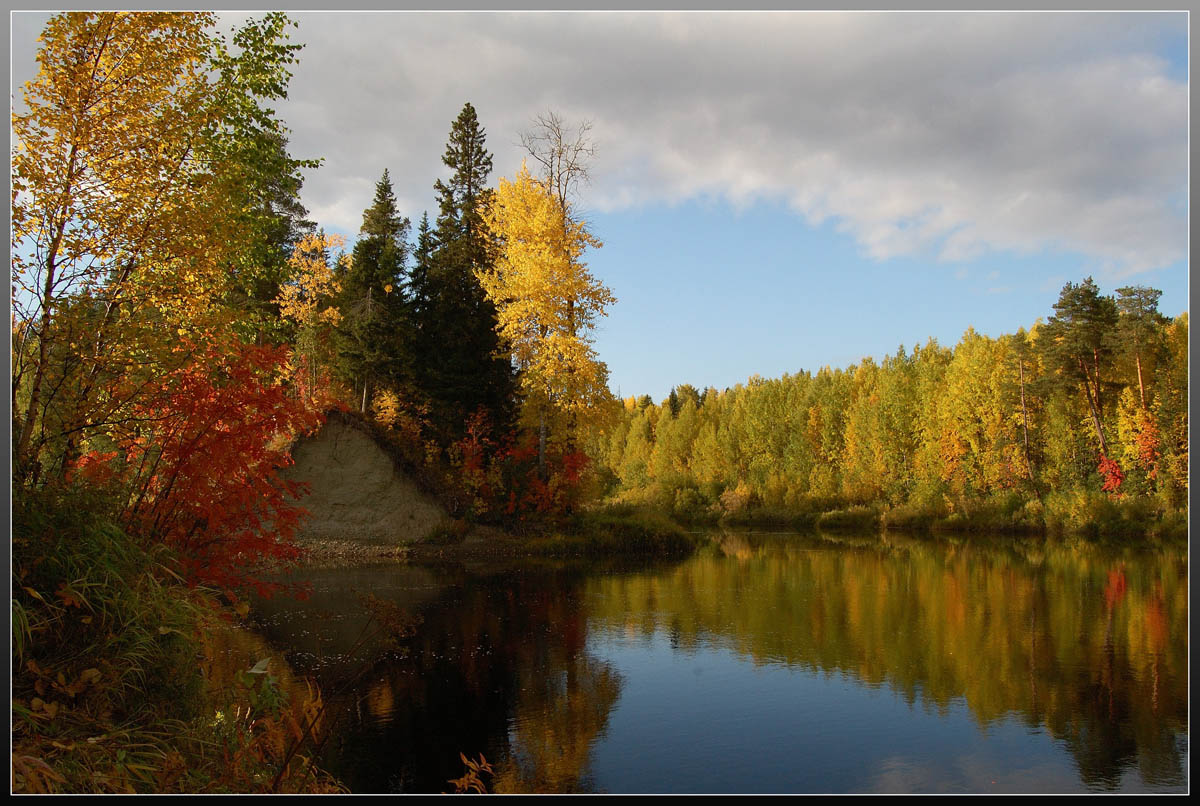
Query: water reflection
<point x="525" y="665"/>
<point x="1089" y="644"/>
<point x="498" y="665"/>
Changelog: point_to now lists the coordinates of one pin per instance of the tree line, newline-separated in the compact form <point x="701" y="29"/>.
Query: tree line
<point x="178" y="320"/>
<point x="1089" y="406"/>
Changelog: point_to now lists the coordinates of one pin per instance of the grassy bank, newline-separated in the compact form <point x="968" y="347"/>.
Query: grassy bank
<point x="118" y="685"/>
<point x="1082" y="514"/>
<point x="615" y="530"/>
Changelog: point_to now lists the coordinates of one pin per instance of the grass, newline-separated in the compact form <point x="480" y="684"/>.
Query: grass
<point x="108" y="695"/>
<point x="850" y="519"/>
<point x="772" y="518"/>
<point x="450" y="533"/>
<point x="618" y="529"/>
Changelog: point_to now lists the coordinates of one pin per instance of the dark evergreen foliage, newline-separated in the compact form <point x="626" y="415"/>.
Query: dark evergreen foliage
<point x="375" y="338"/>
<point x="1079" y="343"/>
<point x="462" y="367"/>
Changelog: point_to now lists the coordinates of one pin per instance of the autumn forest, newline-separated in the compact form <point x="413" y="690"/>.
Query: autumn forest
<point x="178" y="323"/>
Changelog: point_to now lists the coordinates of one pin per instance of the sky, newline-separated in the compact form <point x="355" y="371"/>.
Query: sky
<point x="779" y="192"/>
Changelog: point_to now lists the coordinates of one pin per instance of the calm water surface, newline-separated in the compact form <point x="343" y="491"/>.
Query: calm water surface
<point x="763" y="663"/>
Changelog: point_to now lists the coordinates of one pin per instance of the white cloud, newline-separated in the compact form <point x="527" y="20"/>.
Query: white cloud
<point x="948" y="134"/>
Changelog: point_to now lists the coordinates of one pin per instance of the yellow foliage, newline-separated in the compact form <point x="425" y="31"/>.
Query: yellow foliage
<point x="546" y="300"/>
<point x="307" y="299"/>
<point x="122" y="228"/>
<point x="386" y="406"/>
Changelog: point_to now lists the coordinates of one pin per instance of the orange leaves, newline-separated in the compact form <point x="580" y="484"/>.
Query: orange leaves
<point x="471" y="780"/>
<point x="32" y="774"/>
<point x="1148" y="444"/>
<point x="201" y="462"/>
<point x="1111" y="473"/>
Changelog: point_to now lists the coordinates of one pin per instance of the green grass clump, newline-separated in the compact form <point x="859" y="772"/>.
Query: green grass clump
<point x="109" y="693"/>
<point x="1097" y="515"/>
<point x="450" y="533"/>
<point x="771" y="518"/>
<point x="853" y="518"/>
<point x="615" y="530"/>
<point x="1007" y="513"/>
<point x="911" y="516"/>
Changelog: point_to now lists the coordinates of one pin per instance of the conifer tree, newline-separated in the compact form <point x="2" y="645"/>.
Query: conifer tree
<point x="1078" y="344"/>
<point x="462" y="367"/>
<point x="252" y="145"/>
<point x="1139" y="328"/>
<point x="374" y="339"/>
<point x="419" y="274"/>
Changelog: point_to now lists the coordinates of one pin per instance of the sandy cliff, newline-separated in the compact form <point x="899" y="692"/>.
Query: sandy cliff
<point x="356" y="491"/>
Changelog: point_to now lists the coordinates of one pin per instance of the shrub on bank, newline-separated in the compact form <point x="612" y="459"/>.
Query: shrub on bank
<point x="107" y="694"/>
<point x="771" y="517"/>
<point x="622" y="529"/>
<point x="1100" y="516"/>
<point x="911" y="516"/>
<point x="857" y="518"/>
<point x="1006" y="512"/>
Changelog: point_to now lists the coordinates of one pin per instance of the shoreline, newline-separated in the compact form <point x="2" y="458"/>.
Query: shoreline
<point x="480" y="543"/>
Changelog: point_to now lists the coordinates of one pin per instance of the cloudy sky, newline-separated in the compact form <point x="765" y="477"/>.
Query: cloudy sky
<point x="782" y="191"/>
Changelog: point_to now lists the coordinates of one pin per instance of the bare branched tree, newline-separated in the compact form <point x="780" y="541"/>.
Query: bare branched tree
<point x="564" y="153"/>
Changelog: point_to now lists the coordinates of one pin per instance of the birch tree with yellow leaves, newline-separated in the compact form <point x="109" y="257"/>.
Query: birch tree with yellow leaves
<point x="132" y="170"/>
<point x="547" y="305"/>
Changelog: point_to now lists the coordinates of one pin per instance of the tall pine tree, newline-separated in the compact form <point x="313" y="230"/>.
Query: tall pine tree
<point x="461" y="367"/>
<point x="422" y="259"/>
<point x="374" y="340"/>
<point x="1079" y="345"/>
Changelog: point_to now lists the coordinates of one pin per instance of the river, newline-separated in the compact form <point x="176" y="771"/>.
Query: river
<point x="763" y="663"/>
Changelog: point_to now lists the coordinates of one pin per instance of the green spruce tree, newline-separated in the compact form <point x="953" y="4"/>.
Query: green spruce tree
<point x="461" y="366"/>
<point x="422" y="260"/>
<point x="1078" y="345"/>
<point x="374" y="339"/>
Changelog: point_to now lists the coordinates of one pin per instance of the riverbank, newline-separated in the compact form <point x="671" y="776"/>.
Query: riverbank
<point x="604" y="531"/>
<point x="126" y="680"/>
<point x="1090" y="516"/>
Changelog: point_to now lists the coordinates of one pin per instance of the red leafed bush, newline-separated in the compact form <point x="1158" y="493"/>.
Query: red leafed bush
<point x="1111" y="473"/>
<point x="201" y="461"/>
<point x="504" y="480"/>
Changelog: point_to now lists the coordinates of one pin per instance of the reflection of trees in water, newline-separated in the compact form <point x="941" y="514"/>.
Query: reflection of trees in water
<point x="494" y="653"/>
<point x="557" y="720"/>
<point x="1088" y="643"/>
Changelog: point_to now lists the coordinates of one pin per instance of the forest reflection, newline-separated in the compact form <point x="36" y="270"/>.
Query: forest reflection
<point x="497" y="665"/>
<point x="1083" y="643"/>
<point x="1086" y="642"/>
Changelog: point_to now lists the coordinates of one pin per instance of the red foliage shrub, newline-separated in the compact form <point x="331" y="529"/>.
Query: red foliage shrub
<point x="1112" y="474"/>
<point x="201" y="458"/>
<point x="504" y="480"/>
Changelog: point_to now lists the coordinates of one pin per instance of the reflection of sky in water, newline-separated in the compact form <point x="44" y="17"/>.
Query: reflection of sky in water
<point x="707" y="719"/>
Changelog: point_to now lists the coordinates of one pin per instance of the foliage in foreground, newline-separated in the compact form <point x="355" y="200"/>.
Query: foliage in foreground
<point x="108" y="695"/>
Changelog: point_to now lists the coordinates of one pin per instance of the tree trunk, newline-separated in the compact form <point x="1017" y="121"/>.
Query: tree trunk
<point x="1141" y="387"/>
<point x="1094" y="405"/>
<point x="1025" y="420"/>
<point x="39" y="373"/>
